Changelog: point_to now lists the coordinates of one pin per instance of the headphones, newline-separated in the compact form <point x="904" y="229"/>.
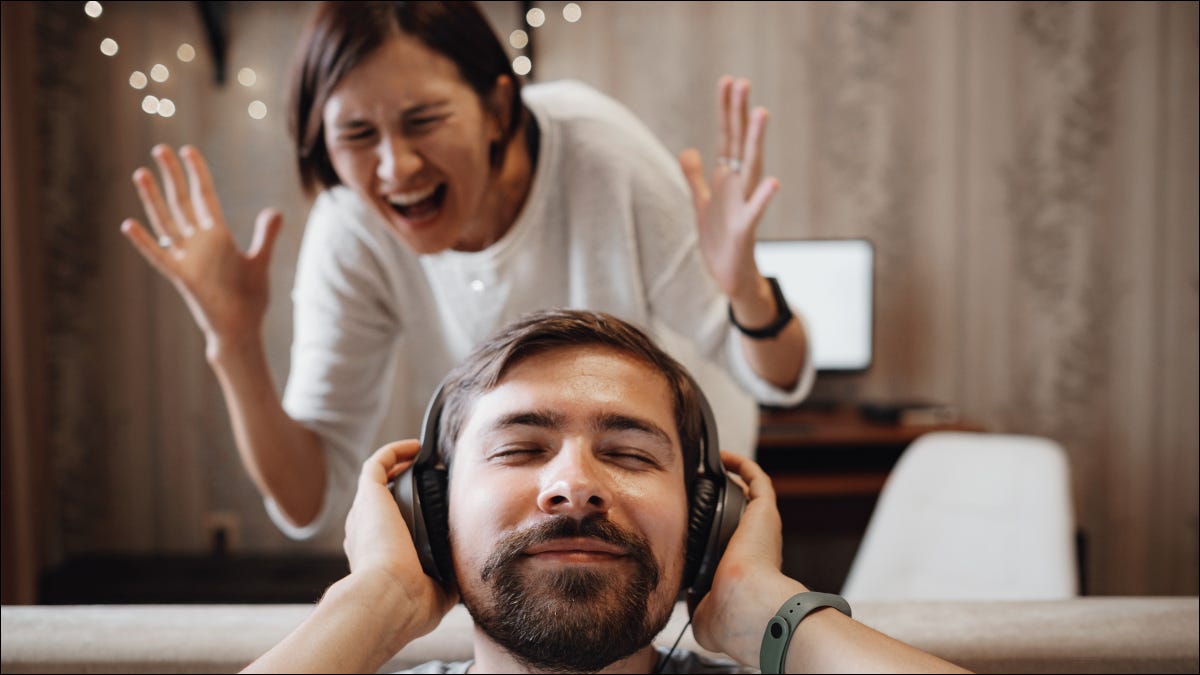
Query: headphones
<point x="713" y="513"/>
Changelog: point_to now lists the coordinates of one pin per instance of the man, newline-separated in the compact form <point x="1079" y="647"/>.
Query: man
<point x="571" y="446"/>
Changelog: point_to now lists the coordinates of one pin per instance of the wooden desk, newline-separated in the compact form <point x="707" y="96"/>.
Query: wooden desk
<point x="833" y="451"/>
<point x="828" y="465"/>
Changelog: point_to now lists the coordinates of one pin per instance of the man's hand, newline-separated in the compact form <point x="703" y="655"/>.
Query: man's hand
<point x="378" y="540"/>
<point x="748" y="586"/>
<point x="387" y="600"/>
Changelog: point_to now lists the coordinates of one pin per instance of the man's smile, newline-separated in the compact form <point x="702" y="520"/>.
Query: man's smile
<point x="576" y="550"/>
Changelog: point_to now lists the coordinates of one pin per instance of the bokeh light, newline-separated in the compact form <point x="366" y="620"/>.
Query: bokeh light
<point x="159" y="73"/>
<point x="247" y="77"/>
<point x="522" y="65"/>
<point x="535" y="17"/>
<point x="138" y="80"/>
<point x="108" y="47"/>
<point x="257" y="109"/>
<point x="572" y="12"/>
<point x="185" y="53"/>
<point x="93" y="9"/>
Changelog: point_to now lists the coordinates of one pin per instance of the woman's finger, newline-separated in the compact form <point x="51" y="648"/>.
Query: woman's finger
<point x="266" y="231"/>
<point x="178" y="197"/>
<point x="149" y="247"/>
<point x="741" y="92"/>
<point x="208" y="207"/>
<point x="752" y="153"/>
<point x="693" y="171"/>
<point x="154" y="204"/>
<point x="725" y="135"/>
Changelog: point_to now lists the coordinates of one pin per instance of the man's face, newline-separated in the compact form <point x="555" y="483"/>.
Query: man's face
<point x="568" y="510"/>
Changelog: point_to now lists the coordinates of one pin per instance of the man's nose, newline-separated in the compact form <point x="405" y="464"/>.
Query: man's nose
<point x="397" y="159"/>
<point x="574" y="483"/>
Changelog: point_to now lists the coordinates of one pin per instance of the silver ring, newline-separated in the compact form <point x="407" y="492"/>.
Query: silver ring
<point x="165" y="241"/>
<point x="735" y="165"/>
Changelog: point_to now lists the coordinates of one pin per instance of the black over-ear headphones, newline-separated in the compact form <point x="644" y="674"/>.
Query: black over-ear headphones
<point x="716" y="505"/>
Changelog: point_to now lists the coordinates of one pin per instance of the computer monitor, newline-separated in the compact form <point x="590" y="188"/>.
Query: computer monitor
<point x="831" y="283"/>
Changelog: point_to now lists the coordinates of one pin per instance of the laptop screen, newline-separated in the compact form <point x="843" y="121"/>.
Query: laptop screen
<point x="830" y="283"/>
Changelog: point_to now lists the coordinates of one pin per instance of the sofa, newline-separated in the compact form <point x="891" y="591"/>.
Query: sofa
<point x="1080" y="635"/>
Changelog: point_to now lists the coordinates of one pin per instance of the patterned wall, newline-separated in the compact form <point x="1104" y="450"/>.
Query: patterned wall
<point x="1027" y="172"/>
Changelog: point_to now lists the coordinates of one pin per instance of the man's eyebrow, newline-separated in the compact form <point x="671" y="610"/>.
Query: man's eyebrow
<point x="618" y="422"/>
<point x="544" y="419"/>
<point x="553" y="420"/>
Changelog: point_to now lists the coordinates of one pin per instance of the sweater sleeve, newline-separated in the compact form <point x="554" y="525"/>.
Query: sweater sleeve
<point x="343" y="354"/>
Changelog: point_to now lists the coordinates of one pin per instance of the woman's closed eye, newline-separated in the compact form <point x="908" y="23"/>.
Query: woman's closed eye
<point x="422" y="125"/>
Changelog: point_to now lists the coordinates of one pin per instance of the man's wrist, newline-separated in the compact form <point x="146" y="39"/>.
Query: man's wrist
<point x="782" y="627"/>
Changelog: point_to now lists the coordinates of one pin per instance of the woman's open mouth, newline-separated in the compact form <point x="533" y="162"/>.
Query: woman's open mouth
<point x="418" y="206"/>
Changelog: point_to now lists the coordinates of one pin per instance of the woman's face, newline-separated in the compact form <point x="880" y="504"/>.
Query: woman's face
<point x="408" y="135"/>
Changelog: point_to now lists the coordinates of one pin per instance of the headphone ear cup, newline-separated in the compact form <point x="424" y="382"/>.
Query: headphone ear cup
<point x="435" y="510"/>
<point x="700" y="521"/>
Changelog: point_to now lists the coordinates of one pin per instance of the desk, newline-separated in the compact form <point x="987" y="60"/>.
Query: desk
<point x="828" y="464"/>
<point x="834" y="450"/>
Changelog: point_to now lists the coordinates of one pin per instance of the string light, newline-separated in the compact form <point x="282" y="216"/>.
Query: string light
<point x="518" y="39"/>
<point x="247" y="77"/>
<point x="535" y="17"/>
<point x="165" y="107"/>
<point x="522" y="65"/>
<point x="572" y="12"/>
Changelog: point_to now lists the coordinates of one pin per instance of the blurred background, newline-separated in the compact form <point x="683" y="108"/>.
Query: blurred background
<point x="1026" y="171"/>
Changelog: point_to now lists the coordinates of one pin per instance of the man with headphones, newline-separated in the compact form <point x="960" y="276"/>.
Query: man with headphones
<point x="567" y="487"/>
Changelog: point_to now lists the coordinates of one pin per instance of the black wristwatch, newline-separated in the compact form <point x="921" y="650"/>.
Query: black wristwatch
<point x="783" y="314"/>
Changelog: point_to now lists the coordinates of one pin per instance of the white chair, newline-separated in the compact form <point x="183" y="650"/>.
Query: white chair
<point x="971" y="516"/>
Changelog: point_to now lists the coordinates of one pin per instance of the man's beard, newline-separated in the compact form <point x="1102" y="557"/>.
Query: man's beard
<point x="575" y="619"/>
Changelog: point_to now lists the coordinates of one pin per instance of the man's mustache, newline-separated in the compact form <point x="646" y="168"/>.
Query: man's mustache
<point x="513" y="546"/>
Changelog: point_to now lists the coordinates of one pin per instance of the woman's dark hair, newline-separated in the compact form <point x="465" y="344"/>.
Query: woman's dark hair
<point x="343" y="34"/>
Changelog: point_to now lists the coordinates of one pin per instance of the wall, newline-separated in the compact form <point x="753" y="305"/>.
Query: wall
<point x="1027" y="172"/>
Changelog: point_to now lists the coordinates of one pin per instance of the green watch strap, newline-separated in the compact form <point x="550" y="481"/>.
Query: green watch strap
<point x="778" y="634"/>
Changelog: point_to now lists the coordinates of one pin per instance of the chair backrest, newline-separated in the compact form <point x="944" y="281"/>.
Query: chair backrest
<point x="971" y="516"/>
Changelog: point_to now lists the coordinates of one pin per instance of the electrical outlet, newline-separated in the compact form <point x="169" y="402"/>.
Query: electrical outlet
<point x="223" y="529"/>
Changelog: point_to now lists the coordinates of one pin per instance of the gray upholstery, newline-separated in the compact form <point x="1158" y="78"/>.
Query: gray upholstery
<point x="1078" y="635"/>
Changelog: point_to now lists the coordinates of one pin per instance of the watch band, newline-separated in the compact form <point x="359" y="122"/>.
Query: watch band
<point x="778" y="635"/>
<point x="783" y="314"/>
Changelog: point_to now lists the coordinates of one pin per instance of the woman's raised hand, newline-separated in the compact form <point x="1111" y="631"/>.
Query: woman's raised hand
<point x="225" y="289"/>
<point x="729" y="209"/>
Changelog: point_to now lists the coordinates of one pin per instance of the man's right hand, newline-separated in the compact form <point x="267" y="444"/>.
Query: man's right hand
<point x="226" y="290"/>
<point x="378" y="541"/>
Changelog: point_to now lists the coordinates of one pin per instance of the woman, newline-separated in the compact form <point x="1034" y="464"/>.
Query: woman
<point x="451" y="201"/>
